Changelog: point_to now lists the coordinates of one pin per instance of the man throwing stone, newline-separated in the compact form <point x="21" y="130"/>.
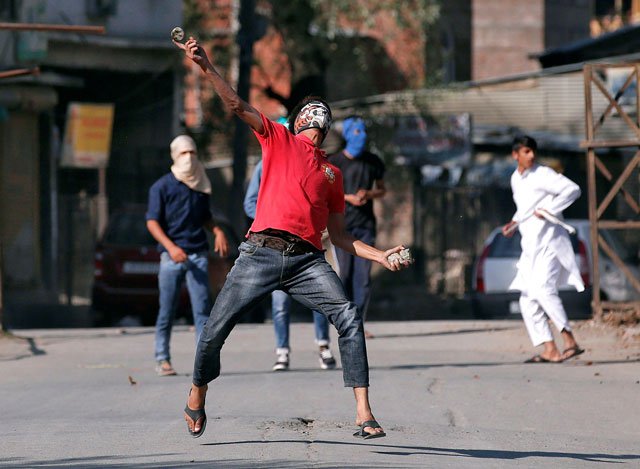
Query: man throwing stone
<point x="301" y="194"/>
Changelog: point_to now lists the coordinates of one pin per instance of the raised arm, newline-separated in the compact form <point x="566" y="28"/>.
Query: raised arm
<point x="228" y="95"/>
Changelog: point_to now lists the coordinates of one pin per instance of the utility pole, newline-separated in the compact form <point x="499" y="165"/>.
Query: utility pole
<point x="245" y="41"/>
<point x="1" y="291"/>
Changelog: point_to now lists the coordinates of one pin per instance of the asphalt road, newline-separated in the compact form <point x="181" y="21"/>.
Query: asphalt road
<point x="449" y="394"/>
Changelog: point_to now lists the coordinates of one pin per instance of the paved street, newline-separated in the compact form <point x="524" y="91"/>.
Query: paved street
<point x="450" y="394"/>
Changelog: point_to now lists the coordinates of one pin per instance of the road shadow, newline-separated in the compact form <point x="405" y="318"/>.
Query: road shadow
<point x="26" y="348"/>
<point x="401" y="450"/>
<point x="438" y="333"/>
<point x="120" y="462"/>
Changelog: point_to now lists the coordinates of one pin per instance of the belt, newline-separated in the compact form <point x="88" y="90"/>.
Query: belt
<point x="281" y="241"/>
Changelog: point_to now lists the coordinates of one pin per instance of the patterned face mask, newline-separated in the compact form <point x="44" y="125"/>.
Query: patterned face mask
<point x="314" y="115"/>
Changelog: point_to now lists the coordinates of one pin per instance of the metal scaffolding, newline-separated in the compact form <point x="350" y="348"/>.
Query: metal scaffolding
<point x="597" y="138"/>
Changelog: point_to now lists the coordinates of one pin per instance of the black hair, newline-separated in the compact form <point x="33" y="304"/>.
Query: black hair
<point x="524" y="141"/>
<point x="296" y="110"/>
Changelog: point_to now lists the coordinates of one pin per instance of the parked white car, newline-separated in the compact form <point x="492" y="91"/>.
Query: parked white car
<point x="495" y="268"/>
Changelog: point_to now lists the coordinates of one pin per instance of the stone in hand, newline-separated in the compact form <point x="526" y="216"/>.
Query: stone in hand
<point x="177" y="34"/>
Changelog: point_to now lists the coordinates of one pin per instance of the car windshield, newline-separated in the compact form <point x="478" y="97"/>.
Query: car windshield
<point x="129" y="229"/>
<point x="502" y="246"/>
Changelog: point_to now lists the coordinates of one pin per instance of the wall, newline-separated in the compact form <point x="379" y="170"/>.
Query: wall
<point x="504" y="34"/>
<point x="566" y="21"/>
<point x="19" y="209"/>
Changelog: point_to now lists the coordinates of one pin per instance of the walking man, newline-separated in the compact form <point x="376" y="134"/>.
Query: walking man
<point x="547" y="258"/>
<point x="300" y="195"/>
<point x="177" y="216"/>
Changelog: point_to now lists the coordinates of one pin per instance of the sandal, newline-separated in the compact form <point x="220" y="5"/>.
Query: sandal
<point x="195" y="415"/>
<point x="541" y="359"/>
<point x="572" y="352"/>
<point x="366" y="435"/>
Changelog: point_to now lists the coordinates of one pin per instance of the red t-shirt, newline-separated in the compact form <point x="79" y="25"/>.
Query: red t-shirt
<point x="299" y="187"/>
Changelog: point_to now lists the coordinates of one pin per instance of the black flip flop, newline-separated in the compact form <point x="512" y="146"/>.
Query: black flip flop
<point x="541" y="359"/>
<point x="575" y="352"/>
<point x="366" y="435"/>
<point x="195" y="415"/>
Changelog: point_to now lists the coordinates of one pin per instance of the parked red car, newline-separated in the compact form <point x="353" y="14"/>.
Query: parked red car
<point x="126" y="264"/>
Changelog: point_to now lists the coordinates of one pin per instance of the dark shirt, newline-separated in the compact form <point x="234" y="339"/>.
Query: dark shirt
<point x="359" y="173"/>
<point x="181" y="212"/>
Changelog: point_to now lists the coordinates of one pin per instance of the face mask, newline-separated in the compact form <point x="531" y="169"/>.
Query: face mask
<point x="186" y="167"/>
<point x="355" y="134"/>
<point x="314" y="115"/>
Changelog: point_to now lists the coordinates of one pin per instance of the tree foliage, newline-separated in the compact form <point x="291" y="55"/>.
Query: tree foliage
<point x="310" y="29"/>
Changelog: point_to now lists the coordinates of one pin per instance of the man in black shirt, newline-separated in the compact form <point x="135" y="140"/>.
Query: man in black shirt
<point x="362" y="173"/>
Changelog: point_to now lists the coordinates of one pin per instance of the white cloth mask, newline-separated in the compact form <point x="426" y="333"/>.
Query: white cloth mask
<point x="186" y="167"/>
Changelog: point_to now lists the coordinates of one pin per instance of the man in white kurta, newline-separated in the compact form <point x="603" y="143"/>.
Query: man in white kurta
<point x="547" y="259"/>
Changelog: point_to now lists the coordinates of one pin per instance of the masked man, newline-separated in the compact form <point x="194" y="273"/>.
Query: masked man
<point x="300" y="194"/>
<point x="177" y="216"/>
<point x="362" y="176"/>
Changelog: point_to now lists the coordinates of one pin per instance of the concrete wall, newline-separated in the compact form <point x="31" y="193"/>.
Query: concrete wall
<point x="504" y="34"/>
<point x="19" y="201"/>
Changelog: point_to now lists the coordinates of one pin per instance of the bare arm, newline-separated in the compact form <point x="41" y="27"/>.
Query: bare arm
<point x="363" y="195"/>
<point x="175" y="252"/>
<point x="229" y="97"/>
<point x="221" y="245"/>
<point x="341" y="238"/>
<point x="378" y="191"/>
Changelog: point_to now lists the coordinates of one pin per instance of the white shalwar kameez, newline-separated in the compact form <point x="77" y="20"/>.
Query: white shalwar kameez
<point x="547" y="259"/>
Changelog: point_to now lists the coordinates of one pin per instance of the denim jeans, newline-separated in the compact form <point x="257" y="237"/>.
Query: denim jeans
<point x="355" y="272"/>
<point x="309" y="279"/>
<point x="170" y="279"/>
<point x="280" y="306"/>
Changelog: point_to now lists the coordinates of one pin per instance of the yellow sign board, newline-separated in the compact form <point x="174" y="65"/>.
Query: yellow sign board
<point x="87" y="137"/>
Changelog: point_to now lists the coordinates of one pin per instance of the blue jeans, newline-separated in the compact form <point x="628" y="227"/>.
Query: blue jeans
<point x="355" y="272"/>
<point x="309" y="279"/>
<point x="170" y="279"/>
<point x="280" y="305"/>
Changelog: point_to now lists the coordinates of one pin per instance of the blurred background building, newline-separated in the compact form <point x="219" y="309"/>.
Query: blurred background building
<point x="496" y="66"/>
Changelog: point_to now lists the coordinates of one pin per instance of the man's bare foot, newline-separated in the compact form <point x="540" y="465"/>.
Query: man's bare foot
<point x="552" y="357"/>
<point x="551" y="352"/>
<point x="365" y="416"/>
<point x="196" y="402"/>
